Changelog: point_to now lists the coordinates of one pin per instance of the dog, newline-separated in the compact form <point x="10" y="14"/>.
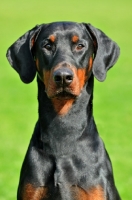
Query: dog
<point x="66" y="159"/>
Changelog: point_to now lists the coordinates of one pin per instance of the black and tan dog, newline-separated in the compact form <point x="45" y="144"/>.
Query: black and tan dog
<point x="66" y="159"/>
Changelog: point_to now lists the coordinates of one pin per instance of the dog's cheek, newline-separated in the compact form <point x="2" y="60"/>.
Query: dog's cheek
<point x="38" y="68"/>
<point x="79" y="81"/>
<point x="46" y="78"/>
<point x="81" y="74"/>
<point x="50" y="86"/>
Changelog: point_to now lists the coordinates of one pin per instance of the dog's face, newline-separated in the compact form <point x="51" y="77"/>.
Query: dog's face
<point x="63" y="55"/>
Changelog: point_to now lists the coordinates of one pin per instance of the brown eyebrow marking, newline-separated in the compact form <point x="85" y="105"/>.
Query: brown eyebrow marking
<point x="52" y="38"/>
<point x="75" y="38"/>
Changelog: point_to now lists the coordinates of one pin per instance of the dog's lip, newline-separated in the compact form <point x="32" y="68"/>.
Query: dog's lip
<point x="64" y="94"/>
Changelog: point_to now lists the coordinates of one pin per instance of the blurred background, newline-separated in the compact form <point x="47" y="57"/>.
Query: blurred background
<point x="112" y="98"/>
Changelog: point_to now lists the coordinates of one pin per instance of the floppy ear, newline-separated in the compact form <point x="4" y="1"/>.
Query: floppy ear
<point x="106" y="53"/>
<point x="20" y="56"/>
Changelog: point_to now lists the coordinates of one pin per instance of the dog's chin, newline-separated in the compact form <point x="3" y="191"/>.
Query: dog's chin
<point x="63" y="96"/>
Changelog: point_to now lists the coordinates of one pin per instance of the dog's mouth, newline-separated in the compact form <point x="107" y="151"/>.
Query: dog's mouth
<point x="63" y="94"/>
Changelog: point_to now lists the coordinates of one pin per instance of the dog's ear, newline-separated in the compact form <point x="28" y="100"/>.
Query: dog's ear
<point x="106" y="52"/>
<point x="20" y="55"/>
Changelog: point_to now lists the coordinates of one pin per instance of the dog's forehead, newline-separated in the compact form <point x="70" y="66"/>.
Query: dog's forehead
<point x="63" y="28"/>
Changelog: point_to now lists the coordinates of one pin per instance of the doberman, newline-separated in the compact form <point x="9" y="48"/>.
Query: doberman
<point x="66" y="159"/>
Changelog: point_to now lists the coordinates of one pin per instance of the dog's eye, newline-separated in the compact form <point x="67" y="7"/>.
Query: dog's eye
<point x="80" y="46"/>
<point x="48" y="46"/>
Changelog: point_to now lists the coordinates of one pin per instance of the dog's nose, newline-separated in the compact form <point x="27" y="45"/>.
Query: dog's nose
<point x="63" y="77"/>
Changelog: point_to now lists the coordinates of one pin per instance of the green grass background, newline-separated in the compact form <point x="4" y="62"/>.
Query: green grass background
<point x="112" y="98"/>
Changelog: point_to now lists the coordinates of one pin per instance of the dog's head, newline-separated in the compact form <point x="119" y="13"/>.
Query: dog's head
<point x="64" y="54"/>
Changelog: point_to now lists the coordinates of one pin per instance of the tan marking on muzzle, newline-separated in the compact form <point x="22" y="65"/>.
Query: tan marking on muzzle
<point x="62" y="106"/>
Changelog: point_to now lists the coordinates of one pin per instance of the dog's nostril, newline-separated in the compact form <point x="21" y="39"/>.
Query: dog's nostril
<point x="58" y="78"/>
<point x="68" y="79"/>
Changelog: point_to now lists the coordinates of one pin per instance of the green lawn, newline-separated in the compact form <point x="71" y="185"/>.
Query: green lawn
<point x="112" y="98"/>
